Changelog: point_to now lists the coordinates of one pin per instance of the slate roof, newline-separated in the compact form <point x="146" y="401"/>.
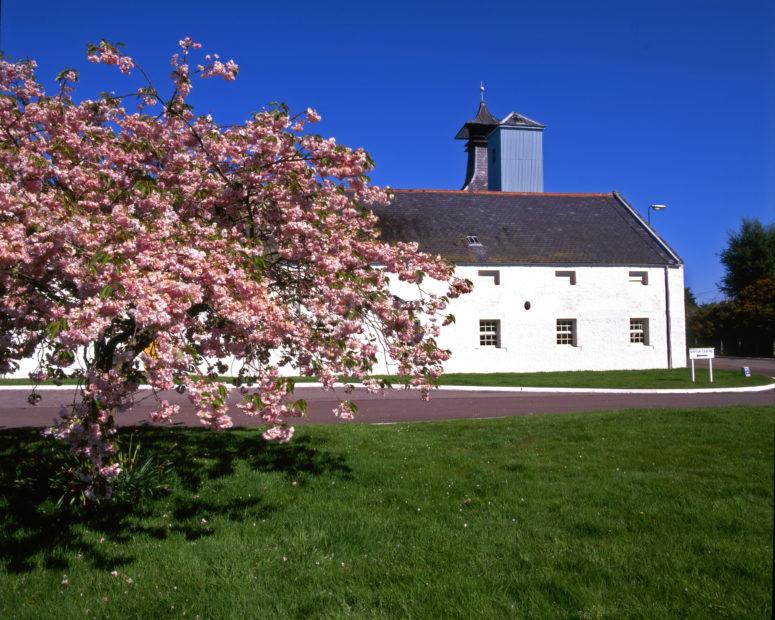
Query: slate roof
<point x="524" y="228"/>
<point x="481" y="124"/>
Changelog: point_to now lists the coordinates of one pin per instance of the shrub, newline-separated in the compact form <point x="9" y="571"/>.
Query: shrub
<point x="139" y="478"/>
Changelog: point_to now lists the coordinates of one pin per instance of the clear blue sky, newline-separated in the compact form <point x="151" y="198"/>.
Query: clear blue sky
<point x="665" y="101"/>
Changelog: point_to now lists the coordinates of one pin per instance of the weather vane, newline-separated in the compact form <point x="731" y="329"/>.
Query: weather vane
<point x="481" y="90"/>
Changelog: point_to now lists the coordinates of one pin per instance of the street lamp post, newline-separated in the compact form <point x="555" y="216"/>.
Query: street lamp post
<point x="655" y="208"/>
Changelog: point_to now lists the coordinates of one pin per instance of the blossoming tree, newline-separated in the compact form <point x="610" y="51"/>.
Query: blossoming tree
<point x="153" y="246"/>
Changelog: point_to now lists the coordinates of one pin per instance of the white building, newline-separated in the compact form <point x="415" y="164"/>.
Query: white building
<point x="561" y="281"/>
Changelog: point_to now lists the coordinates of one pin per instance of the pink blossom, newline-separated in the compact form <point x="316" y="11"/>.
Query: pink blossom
<point x="108" y="54"/>
<point x="344" y="410"/>
<point x="189" y="43"/>
<point x="110" y="471"/>
<point x="155" y="248"/>
<point x="228" y="70"/>
<point x="279" y="434"/>
<point x="165" y="412"/>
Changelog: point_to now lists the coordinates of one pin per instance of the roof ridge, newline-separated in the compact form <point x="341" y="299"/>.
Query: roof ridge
<point x="646" y="228"/>
<point x="499" y="193"/>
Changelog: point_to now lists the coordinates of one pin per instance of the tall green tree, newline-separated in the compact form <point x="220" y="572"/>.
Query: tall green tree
<point x="748" y="257"/>
<point x="690" y="301"/>
<point x="691" y="307"/>
<point x="754" y="316"/>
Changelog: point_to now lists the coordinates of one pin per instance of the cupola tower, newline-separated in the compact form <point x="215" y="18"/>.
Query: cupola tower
<point x="516" y="155"/>
<point x="505" y="155"/>
<point x="475" y="132"/>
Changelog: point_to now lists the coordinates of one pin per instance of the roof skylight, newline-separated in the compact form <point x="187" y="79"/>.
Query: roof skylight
<point x="473" y="240"/>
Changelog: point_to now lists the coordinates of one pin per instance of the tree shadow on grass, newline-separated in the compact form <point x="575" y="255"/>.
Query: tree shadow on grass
<point x="33" y="529"/>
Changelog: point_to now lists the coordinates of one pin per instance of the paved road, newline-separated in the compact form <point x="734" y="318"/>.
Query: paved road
<point x="758" y="365"/>
<point x="398" y="406"/>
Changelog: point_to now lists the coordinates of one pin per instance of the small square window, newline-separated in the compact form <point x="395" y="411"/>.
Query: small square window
<point x="491" y="273"/>
<point x="570" y="275"/>
<point x="639" y="331"/>
<point x="566" y="331"/>
<point x="473" y="240"/>
<point x="639" y="277"/>
<point x="489" y="333"/>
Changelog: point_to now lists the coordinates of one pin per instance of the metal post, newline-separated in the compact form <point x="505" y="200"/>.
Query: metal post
<point x="710" y="369"/>
<point x="692" y="370"/>
<point x="668" y="325"/>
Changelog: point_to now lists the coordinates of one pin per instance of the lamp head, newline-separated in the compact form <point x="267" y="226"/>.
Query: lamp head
<point x="658" y="207"/>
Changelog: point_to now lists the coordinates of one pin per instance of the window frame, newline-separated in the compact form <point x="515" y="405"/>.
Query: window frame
<point x="566" y="332"/>
<point x="639" y="277"/>
<point x="569" y="274"/>
<point x="639" y="334"/>
<point x="490" y="337"/>
<point x="494" y="274"/>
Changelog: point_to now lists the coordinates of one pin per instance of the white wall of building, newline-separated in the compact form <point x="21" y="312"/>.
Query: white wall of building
<point x="26" y="366"/>
<point x="602" y="301"/>
<point x="677" y="316"/>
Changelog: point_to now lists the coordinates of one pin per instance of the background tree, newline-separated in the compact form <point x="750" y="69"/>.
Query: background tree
<point x="158" y="247"/>
<point x="712" y="326"/>
<point x="691" y="308"/>
<point x="743" y="324"/>
<point x="754" y="316"/>
<point x="749" y="256"/>
<point x="690" y="300"/>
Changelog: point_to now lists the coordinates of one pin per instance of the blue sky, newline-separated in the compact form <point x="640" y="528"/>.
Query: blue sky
<point x="665" y="101"/>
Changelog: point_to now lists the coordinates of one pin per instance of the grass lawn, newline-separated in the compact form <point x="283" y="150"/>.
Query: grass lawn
<point x="653" y="379"/>
<point x="657" y="514"/>
<point x="675" y="378"/>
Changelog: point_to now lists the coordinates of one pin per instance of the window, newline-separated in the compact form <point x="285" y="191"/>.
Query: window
<point x="639" y="277"/>
<point x="571" y="275"/>
<point x="639" y="331"/>
<point x="489" y="333"/>
<point x="566" y="331"/>
<point x="473" y="240"/>
<point x="494" y="274"/>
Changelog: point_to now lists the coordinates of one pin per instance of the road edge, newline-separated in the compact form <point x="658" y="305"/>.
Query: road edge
<point x="481" y="388"/>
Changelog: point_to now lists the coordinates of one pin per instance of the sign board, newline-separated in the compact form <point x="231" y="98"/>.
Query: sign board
<point x="708" y="353"/>
<point x="702" y="354"/>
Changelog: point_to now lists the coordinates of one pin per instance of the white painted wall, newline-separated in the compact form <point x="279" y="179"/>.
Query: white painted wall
<point x="677" y="316"/>
<point x="26" y="366"/>
<point x="602" y="301"/>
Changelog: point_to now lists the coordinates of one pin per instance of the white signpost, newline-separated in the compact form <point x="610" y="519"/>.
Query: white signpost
<point x="703" y="354"/>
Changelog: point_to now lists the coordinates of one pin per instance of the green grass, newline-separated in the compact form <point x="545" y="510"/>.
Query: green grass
<point x="657" y="514"/>
<point x="654" y="379"/>
<point x="21" y="381"/>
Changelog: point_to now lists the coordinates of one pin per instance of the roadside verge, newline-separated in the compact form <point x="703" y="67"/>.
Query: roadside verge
<point x="484" y="388"/>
